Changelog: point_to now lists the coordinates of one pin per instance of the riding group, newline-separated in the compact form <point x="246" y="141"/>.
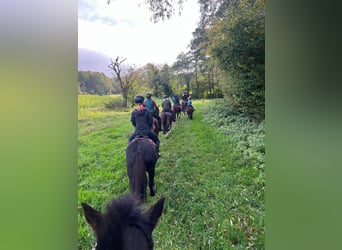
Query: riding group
<point x="124" y="225"/>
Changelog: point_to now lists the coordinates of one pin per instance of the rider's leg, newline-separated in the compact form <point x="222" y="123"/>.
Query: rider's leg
<point x="159" y="121"/>
<point x="155" y="139"/>
<point x="131" y="137"/>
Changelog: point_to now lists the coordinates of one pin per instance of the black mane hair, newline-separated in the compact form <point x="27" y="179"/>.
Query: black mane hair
<point x="123" y="218"/>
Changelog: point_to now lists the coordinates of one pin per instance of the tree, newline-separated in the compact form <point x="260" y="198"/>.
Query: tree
<point x="152" y="73"/>
<point x="165" y="80"/>
<point x="162" y="9"/>
<point x="240" y="51"/>
<point x="184" y="69"/>
<point x="125" y="80"/>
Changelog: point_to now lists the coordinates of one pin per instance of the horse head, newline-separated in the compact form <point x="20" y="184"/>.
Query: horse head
<point x="124" y="225"/>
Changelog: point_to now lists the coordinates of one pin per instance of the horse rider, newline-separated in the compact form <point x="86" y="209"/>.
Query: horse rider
<point x="152" y="107"/>
<point x="189" y="103"/>
<point x="175" y="99"/>
<point x="142" y="120"/>
<point x="185" y="96"/>
<point x="166" y="104"/>
<point x="184" y="100"/>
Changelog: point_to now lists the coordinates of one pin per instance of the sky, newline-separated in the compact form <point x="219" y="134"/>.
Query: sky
<point x="124" y="29"/>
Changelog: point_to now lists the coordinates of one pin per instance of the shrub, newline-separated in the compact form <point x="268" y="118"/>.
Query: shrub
<point x="115" y="104"/>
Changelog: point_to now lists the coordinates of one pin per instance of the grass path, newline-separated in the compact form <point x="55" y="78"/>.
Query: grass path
<point x="209" y="204"/>
<point x="193" y="174"/>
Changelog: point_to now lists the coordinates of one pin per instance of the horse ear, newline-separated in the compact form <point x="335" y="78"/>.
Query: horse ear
<point x="155" y="211"/>
<point x="93" y="217"/>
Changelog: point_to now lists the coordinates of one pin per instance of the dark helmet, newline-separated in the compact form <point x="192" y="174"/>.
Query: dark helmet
<point x="138" y="99"/>
<point x="165" y="97"/>
<point x="148" y="95"/>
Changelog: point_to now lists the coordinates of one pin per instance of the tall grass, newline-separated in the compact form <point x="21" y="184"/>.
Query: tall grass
<point x="211" y="201"/>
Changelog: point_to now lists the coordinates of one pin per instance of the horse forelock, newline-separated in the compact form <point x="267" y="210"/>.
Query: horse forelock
<point x="121" y="215"/>
<point x="125" y="214"/>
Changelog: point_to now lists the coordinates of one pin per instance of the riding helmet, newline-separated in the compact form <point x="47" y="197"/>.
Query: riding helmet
<point x="165" y="97"/>
<point x="148" y="95"/>
<point x="138" y="99"/>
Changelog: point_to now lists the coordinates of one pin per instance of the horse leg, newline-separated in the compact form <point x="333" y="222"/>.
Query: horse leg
<point x="151" y="181"/>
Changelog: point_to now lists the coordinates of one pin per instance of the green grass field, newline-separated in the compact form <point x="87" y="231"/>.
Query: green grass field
<point x="211" y="202"/>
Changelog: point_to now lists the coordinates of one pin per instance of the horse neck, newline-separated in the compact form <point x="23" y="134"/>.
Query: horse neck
<point x="128" y="226"/>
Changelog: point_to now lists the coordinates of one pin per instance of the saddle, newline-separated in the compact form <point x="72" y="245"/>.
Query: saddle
<point x="144" y="137"/>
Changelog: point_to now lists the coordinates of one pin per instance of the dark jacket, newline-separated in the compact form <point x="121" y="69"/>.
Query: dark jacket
<point x="166" y="105"/>
<point x="142" y="121"/>
<point x="185" y="97"/>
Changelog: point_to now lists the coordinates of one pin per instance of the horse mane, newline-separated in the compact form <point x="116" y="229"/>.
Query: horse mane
<point x="122" y="213"/>
<point x="125" y="210"/>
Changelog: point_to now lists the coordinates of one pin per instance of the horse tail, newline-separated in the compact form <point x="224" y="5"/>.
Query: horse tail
<point x="165" y="117"/>
<point x="139" y="179"/>
<point x="155" y="127"/>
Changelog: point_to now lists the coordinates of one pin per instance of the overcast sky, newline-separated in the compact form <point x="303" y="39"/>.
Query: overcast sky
<point x="124" y="29"/>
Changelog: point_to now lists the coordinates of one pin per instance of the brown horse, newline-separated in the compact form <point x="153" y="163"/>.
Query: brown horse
<point x="141" y="157"/>
<point x="166" y="119"/>
<point x="177" y="109"/>
<point x="184" y="104"/>
<point x="190" y="111"/>
<point x="155" y="126"/>
<point x="124" y="225"/>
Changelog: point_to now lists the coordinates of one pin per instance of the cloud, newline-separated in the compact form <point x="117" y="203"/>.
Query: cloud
<point x="124" y="29"/>
<point x="93" y="61"/>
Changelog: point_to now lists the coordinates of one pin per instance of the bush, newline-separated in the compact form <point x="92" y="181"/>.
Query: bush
<point x="246" y="137"/>
<point x="115" y="104"/>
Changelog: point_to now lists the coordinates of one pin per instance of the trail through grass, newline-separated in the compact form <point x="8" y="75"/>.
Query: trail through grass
<point x="210" y="203"/>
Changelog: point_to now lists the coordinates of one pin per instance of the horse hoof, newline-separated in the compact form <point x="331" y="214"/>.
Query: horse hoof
<point x="152" y="192"/>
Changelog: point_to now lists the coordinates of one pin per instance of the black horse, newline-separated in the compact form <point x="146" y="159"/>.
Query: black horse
<point x="141" y="157"/>
<point x="124" y="226"/>
<point x="166" y="119"/>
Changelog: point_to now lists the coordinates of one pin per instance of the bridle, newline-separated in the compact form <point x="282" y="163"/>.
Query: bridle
<point x="148" y="238"/>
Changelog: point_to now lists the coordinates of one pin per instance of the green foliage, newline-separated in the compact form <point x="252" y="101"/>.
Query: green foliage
<point x="246" y="137"/>
<point x="95" y="83"/>
<point x="238" y="44"/>
<point x="115" y="104"/>
<point x="92" y="108"/>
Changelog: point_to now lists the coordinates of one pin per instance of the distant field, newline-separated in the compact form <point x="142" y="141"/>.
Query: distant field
<point x="210" y="203"/>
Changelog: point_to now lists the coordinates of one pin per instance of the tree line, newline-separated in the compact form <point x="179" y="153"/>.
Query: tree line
<point x="96" y="83"/>
<point x="225" y="58"/>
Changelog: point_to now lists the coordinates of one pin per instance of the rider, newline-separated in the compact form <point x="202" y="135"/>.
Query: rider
<point x="189" y="103"/>
<point x="184" y="100"/>
<point x="166" y="104"/>
<point x="175" y="99"/>
<point x="185" y="96"/>
<point x="152" y="107"/>
<point x="141" y="119"/>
